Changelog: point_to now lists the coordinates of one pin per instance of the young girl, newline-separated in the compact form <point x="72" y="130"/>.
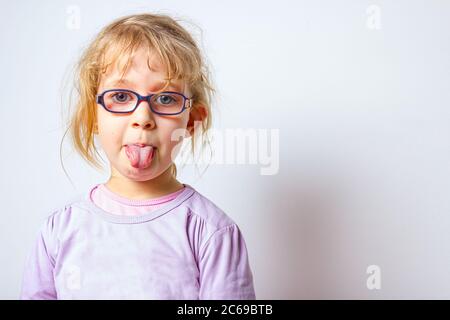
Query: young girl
<point x="142" y="234"/>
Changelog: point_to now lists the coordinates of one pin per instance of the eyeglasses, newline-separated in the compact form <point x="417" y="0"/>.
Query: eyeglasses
<point x="125" y="101"/>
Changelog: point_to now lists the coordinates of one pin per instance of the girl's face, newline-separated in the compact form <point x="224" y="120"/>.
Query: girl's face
<point x="115" y="131"/>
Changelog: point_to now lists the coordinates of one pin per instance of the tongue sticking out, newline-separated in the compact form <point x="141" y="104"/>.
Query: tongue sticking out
<point x="140" y="157"/>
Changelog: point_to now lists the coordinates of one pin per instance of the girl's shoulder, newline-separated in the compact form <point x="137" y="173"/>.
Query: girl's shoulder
<point x="61" y="214"/>
<point x="205" y="209"/>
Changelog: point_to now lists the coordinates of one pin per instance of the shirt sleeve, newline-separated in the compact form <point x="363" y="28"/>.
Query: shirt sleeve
<point x="225" y="272"/>
<point x="38" y="281"/>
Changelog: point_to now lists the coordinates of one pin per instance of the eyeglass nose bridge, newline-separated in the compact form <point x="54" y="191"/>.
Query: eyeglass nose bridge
<point x="144" y="98"/>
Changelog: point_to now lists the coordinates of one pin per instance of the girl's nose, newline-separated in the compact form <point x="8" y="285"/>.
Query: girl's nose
<point x="143" y="116"/>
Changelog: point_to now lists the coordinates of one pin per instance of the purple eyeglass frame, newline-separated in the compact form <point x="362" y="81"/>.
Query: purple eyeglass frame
<point x="100" y="100"/>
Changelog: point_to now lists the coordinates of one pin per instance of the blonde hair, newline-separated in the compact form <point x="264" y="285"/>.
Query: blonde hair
<point x="118" y="41"/>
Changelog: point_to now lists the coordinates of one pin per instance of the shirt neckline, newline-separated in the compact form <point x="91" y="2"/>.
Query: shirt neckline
<point x="87" y="203"/>
<point x="101" y="187"/>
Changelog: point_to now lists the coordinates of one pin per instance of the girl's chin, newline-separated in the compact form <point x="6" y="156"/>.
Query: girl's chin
<point x="139" y="174"/>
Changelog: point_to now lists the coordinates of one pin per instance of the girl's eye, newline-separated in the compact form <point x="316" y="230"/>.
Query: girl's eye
<point x="121" y="97"/>
<point x="164" y="99"/>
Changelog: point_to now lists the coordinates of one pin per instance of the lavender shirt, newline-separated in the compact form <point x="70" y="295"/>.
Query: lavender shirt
<point x="187" y="249"/>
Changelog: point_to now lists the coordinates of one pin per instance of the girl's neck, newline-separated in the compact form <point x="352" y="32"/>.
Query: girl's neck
<point x="162" y="185"/>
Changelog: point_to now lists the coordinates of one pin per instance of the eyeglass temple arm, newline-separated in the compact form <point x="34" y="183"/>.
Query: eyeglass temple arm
<point x="99" y="98"/>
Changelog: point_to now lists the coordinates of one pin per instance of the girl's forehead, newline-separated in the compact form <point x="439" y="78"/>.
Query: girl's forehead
<point x="145" y="79"/>
<point x="136" y="68"/>
<point x="140" y="60"/>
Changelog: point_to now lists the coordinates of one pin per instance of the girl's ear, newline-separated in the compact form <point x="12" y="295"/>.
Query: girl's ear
<point x="196" y="116"/>
<point x="95" y="128"/>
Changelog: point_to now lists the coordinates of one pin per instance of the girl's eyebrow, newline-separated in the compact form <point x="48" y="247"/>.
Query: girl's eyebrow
<point x="131" y="84"/>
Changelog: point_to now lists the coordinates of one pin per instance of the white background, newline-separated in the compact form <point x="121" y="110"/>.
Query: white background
<point x="363" y="116"/>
